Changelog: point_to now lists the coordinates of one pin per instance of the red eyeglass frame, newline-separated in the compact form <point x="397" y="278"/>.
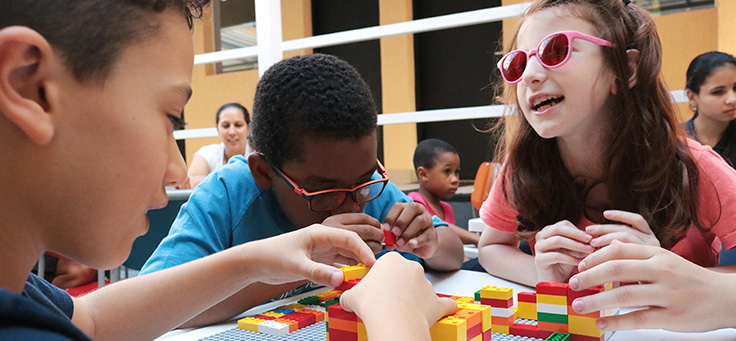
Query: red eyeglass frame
<point x="310" y="195"/>
<point x="570" y="35"/>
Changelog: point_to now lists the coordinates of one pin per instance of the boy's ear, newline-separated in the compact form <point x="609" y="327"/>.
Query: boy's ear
<point x="422" y="173"/>
<point x="26" y="62"/>
<point x="261" y="170"/>
<point x="633" y="56"/>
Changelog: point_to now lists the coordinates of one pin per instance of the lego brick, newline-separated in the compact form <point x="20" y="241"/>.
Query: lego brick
<point x="472" y="317"/>
<point x="572" y="294"/>
<point x="272" y="313"/>
<point x="249" y="323"/>
<point x="527" y="311"/>
<point x="347" y="285"/>
<point x="474" y="332"/>
<point x="449" y="328"/>
<point x="273" y="328"/>
<point x="502" y="312"/>
<point x="477" y="338"/>
<point x="309" y="300"/>
<point x="549" y="288"/>
<point x="304" y="319"/>
<point x="336" y="311"/>
<point x="477" y="296"/>
<point x="583" y="326"/>
<point x="524" y="330"/>
<point x="595" y="314"/>
<point x="318" y="315"/>
<point x="362" y="332"/>
<point x="264" y="317"/>
<point x="505" y="321"/>
<point x="350" y="326"/>
<point x="354" y="271"/>
<point x="552" y="299"/>
<point x="487" y="335"/>
<point x="500" y="329"/>
<point x="558" y="337"/>
<point x="552" y="327"/>
<point x="551" y="309"/>
<point x="389" y="238"/>
<point x="293" y="325"/>
<point x="497" y="303"/>
<point x="496" y="292"/>
<point x="483" y="309"/>
<point x="341" y="335"/>
<point x="530" y="297"/>
<point x="556" y="318"/>
<point x="574" y="337"/>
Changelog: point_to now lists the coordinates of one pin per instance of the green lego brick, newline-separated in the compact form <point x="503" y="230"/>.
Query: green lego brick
<point x="547" y="317"/>
<point x="558" y="337"/>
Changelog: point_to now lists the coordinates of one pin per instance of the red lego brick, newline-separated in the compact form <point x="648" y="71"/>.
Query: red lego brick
<point x="530" y="297"/>
<point x="336" y="311"/>
<point x="304" y="319"/>
<point x="576" y="337"/>
<point x="347" y="285"/>
<point x="549" y="288"/>
<point x="497" y="303"/>
<point x="264" y="317"/>
<point x="341" y="335"/>
<point x="389" y="238"/>
<point x="474" y="331"/>
<point x="572" y="294"/>
<point x="528" y="330"/>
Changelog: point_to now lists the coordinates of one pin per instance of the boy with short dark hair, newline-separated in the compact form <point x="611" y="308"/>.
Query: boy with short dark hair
<point x="314" y="133"/>
<point x="89" y="92"/>
<point x="437" y="165"/>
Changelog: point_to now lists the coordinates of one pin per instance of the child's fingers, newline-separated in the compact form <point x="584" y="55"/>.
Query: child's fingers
<point x="626" y="296"/>
<point x="617" y="251"/>
<point x="634" y="220"/>
<point x="551" y="258"/>
<point x="351" y="219"/>
<point x="622" y="236"/>
<point x="447" y="306"/>
<point x="641" y="319"/>
<point x="557" y="242"/>
<point x="565" y="229"/>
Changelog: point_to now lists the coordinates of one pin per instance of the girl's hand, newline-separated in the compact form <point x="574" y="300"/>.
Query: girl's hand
<point x="367" y="227"/>
<point x="412" y="225"/>
<point x="676" y="294"/>
<point x="632" y="229"/>
<point x="558" y="250"/>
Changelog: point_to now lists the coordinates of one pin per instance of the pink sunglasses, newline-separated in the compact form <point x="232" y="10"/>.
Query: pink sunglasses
<point x="553" y="51"/>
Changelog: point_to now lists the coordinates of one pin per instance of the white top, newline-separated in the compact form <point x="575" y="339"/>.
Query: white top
<point x="215" y="154"/>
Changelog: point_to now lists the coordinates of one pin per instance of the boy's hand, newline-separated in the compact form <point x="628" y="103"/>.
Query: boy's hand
<point x="367" y="227"/>
<point x="70" y="274"/>
<point x="412" y="225"/>
<point x="306" y="253"/>
<point x="399" y="283"/>
<point x="558" y="250"/>
<point x="632" y="229"/>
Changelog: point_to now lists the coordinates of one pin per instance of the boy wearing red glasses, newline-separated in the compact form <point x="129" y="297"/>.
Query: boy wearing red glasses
<point x="314" y="130"/>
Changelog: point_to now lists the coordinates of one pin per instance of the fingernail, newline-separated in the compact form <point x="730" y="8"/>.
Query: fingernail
<point x="601" y="324"/>
<point x="574" y="283"/>
<point x="578" y="305"/>
<point x="582" y="267"/>
<point x="385" y="226"/>
<point x="400" y="242"/>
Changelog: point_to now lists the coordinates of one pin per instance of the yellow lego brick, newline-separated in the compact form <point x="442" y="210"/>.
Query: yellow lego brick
<point x="485" y="313"/>
<point x="497" y="293"/>
<point x="293" y="306"/>
<point x="477" y="338"/>
<point x="249" y="323"/>
<point x="354" y="271"/>
<point x="362" y="332"/>
<point x="497" y="328"/>
<point x="273" y="313"/>
<point x="552" y="299"/>
<point x="465" y="299"/>
<point x="449" y="329"/>
<point x="327" y="293"/>
<point x="527" y="311"/>
<point x="582" y="325"/>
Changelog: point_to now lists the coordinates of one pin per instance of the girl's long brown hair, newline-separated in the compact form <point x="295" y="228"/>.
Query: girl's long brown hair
<point x="647" y="165"/>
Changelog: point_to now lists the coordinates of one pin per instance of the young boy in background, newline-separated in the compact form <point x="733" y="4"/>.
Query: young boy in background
<point x="314" y="135"/>
<point x="437" y="165"/>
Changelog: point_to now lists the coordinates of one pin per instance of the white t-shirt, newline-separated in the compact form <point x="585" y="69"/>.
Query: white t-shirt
<point x="215" y="153"/>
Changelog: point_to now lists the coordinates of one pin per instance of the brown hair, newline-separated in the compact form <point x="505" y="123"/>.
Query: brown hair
<point x="648" y="167"/>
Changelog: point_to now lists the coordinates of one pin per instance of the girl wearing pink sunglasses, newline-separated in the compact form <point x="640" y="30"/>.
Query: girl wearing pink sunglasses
<point x="593" y="152"/>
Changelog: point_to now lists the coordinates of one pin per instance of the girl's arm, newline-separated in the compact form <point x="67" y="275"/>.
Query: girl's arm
<point x="198" y="170"/>
<point x="147" y="306"/>
<point x="499" y="254"/>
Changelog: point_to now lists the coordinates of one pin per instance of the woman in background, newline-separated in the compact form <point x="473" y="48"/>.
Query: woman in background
<point x="232" y="125"/>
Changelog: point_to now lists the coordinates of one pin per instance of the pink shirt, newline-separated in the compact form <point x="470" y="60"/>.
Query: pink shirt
<point x="449" y="216"/>
<point x="716" y="209"/>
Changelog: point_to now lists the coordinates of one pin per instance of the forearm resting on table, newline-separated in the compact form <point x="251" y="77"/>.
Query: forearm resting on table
<point x="449" y="255"/>
<point x="508" y="262"/>
<point x="251" y="296"/>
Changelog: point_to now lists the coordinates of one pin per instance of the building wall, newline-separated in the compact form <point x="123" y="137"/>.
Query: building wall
<point x="684" y="35"/>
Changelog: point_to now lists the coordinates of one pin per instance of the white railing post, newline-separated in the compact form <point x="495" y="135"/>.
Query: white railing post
<point x="268" y="33"/>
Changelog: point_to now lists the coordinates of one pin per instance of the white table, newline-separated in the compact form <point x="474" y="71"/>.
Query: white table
<point x="460" y="283"/>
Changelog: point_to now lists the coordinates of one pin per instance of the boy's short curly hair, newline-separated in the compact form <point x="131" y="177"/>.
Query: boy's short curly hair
<point x="428" y="150"/>
<point x="315" y="96"/>
<point x="90" y="34"/>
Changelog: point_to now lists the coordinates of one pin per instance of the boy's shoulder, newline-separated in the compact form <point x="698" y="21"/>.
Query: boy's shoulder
<point x="25" y="318"/>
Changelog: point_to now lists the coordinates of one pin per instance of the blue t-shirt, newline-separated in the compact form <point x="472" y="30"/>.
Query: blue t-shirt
<point x="42" y="312"/>
<point x="227" y="208"/>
